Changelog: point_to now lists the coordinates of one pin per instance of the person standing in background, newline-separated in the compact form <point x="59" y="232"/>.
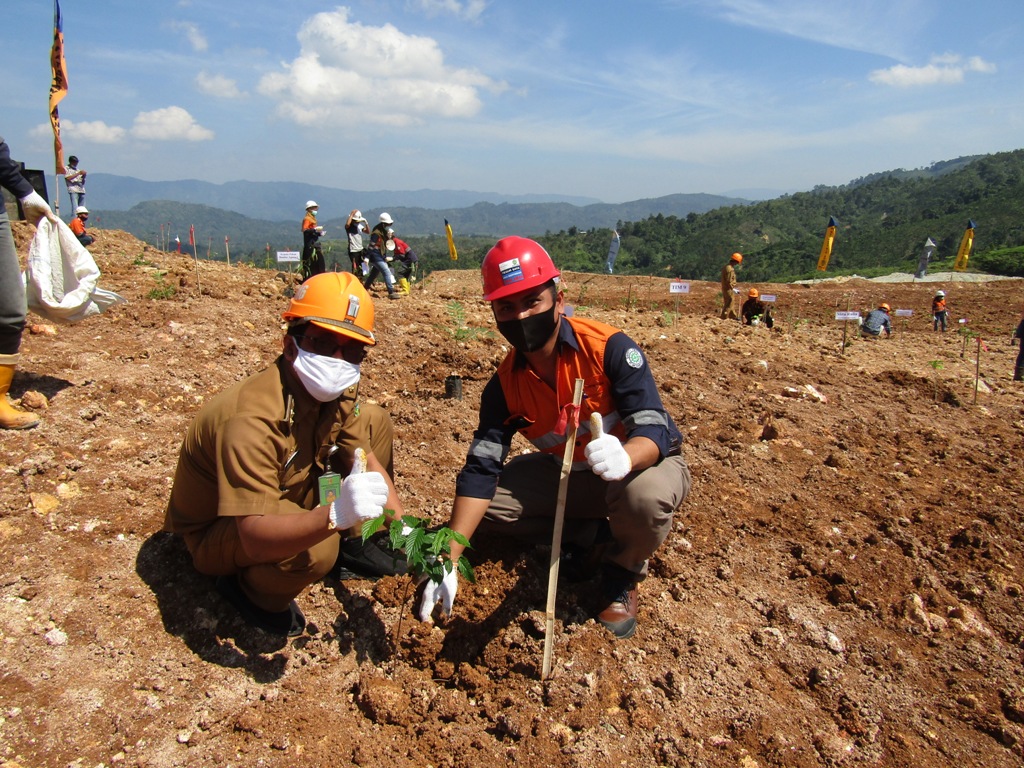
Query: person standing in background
<point x="312" y="255"/>
<point x="74" y="178"/>
<point x="729" y="289"/>
<point x="355" y="228"/>
<point x="1018" y="369"/>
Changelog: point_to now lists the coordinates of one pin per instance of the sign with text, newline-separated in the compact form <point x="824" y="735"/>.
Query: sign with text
<point x="768" y="298"/>
<point x="284" y="256"/>
<point x="676" y="287"/>
<point x="847" y="315"/>
<point x="904" y="313"/>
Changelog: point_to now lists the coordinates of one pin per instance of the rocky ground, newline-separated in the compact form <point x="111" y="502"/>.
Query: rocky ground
<point x="840" y="588"/>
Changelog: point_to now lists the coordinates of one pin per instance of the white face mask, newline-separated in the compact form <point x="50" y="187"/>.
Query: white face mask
<point x="325" y="378"/>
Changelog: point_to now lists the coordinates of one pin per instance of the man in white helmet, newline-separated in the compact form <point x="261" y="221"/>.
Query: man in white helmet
<point x="356" y="228"/>
<point x="312" y="255"/>
<point x="382" y="245"/>
<point x="77" y="225"/>
<point x="939" y="311"/>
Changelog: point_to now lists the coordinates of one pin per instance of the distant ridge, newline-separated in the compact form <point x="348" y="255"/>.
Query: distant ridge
<point x="283" y="200"/>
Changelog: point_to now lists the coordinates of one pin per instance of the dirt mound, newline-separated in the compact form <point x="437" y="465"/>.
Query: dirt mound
<point x="842" y="587"/>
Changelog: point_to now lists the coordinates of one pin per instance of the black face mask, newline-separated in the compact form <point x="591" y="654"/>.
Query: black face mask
<point x="531" y="333"/>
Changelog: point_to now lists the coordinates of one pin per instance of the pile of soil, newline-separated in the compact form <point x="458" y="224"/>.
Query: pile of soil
<point x="840" y="588"/>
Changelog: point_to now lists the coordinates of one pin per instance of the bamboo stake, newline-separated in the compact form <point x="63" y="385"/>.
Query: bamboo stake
<point x="556" y="537"/>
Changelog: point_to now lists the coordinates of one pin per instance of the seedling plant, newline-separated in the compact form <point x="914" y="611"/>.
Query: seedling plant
<point x="427" y="552"/>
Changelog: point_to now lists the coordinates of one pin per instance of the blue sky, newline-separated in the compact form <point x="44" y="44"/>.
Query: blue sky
<point x="610" y="100"/>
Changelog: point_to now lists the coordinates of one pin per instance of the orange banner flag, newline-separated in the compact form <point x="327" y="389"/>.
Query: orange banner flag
<point x="58" y="83"/>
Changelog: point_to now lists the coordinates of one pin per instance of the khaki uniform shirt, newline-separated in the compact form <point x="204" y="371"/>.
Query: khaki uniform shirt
<point x="244" y="454"/>
<point x="728" y="278"/>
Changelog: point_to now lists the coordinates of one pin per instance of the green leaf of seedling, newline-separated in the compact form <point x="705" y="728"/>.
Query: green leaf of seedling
<point x="370" y="527"/>
<point x="466" y="570"/>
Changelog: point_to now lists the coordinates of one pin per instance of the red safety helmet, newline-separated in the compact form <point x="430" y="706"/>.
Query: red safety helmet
<point x="515" y="264"/>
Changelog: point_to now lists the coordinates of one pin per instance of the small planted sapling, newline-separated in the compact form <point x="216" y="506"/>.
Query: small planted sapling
<point x="428" y="552"/>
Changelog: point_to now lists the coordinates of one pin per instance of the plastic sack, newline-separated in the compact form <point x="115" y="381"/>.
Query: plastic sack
<point x="61" y="276"/>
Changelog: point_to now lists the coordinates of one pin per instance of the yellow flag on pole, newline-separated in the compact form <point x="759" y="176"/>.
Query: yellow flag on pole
<point x="826" y="245"/>
<point x="964" y="252"/>
<point x="451" y="241"/>
<point x="58" y="83"/>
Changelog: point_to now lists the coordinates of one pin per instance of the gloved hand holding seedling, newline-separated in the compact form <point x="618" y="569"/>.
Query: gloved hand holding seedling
<point x="428" y="554"/>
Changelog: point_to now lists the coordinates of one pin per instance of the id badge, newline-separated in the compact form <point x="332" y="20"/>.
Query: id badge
<point x="330" y="487"/>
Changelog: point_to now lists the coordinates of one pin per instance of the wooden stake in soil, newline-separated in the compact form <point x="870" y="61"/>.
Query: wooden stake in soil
<point x="556" y="537"/>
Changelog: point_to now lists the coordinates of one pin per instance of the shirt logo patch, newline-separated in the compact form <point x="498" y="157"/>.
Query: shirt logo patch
<point x="633" y="358"/>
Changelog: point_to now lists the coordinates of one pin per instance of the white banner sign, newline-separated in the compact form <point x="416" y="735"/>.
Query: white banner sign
<point x="847" y="315"/>
<point x="768" y="297"/>
<point x="678" y="287"/>
<point x="287" y="256"/>
<point x="904" y="312"/>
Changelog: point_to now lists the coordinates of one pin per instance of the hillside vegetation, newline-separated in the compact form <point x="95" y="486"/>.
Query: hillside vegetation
<point x="884" y="221"/>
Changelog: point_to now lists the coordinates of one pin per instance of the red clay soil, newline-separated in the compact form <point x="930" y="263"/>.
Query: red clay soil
<point x="840" y="588"/>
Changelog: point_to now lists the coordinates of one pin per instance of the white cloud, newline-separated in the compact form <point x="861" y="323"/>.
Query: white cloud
<point x="169" y="124"/>
<point x="947" y="69"/>
<point x="94" y="132"/>
<point x="470" y="10"/>
<point x="195" y="38"/>
<point x="347" y="71"/>
<point x="218" y="85"/>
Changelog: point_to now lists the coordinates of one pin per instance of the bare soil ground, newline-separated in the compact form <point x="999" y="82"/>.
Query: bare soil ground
<point x="840" y="588"/>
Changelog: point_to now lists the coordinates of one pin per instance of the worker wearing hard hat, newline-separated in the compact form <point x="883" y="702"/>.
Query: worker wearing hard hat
<point x="729" y="289"/>
<point x="356" y="228"/>
<point x="312" y="255"/>
<point x="267" y="476"/>
<point x="754" y="311"/>
<point x="628" y="472"/>
<point x="77" y="225"/>
<point x="939" y="311"/>
<point x="877" y="321"/>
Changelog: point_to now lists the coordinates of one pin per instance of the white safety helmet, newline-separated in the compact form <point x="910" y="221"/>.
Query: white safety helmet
<point x="312" y="204"/>
<point x="941" y="294"/>
<point x="81" y="209"/>
<point x="385" y="218"/>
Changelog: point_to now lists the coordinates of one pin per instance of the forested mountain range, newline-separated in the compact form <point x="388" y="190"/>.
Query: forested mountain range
<point x="883" y="222"/>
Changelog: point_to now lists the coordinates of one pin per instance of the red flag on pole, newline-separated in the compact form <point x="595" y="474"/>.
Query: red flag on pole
<point x="58" y="83"/>
<point x="191" y="234"/>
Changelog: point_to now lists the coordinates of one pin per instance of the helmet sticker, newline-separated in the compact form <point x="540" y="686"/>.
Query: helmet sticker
<point x="511" y="271"/>
<point x="633" y="358"/>
<point x="353" y="307"/>
<point x="300" y="292"/>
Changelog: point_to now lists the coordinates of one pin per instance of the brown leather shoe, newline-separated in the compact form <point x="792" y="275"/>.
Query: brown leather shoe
<point x="620" y="601"/>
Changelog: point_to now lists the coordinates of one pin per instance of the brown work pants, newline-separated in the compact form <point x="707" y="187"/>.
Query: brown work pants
<point x="729" y="306"/>
<point x="639" y="508"/>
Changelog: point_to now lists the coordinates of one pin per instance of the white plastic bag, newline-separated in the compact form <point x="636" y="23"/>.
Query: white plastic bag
<point x="61" y="276"/>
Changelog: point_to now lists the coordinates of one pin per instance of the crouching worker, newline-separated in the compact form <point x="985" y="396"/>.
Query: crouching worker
<point x="626" y="482"/>
<point x="265" y="493"/>
<point x="877" y="322"/>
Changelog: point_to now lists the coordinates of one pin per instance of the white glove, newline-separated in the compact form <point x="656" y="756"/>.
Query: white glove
<point x="445" y="592"/>
<point x="605" y="453"/>
<point x="363" y="496"/>
<point x="735" y="290"/>
<point x="36" y="208"/>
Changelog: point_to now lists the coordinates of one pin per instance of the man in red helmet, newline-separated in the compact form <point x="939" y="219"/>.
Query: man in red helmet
<point x="627" y="481"/>
<point x="266" y="479"/>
